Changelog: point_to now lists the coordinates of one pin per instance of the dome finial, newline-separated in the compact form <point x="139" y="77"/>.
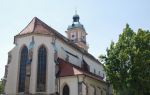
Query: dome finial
<point x="76" y="16"/>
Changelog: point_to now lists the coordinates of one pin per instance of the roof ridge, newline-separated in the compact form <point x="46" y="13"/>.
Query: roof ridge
<point x="35" y="22"/>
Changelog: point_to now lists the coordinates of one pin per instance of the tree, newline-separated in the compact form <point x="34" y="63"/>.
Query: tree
<point x="127" y="63"/>
<point x="1" y="87"/>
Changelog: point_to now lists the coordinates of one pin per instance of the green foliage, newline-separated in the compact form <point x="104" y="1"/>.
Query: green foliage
<point x="1" y="87"/>
<point x="127" y="63"/>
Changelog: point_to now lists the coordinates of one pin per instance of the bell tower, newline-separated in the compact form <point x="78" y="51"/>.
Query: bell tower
<point x="76" y="33"/>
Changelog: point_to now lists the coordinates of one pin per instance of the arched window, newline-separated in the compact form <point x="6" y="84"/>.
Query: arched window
<point x="41" y="69"/>
<point x="66" y="90"/>
<point x="22" y="74"/>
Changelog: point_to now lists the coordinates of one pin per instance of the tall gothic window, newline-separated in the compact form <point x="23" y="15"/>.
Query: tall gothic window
<point x="66" y="90"/>
<point x="41" y="69"/>
<point x="22" y="74"/>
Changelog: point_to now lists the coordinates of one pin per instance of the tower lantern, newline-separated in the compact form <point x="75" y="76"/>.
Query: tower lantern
<point x="76" y="33"/>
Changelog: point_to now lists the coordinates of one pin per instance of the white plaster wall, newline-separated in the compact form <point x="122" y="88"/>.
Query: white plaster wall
<point x="72" y="82"/>
<point x="14" y="67"/>
<point x="10" y="87"/>
<point x="91" y="83"/>
<point x="12" y="79"/>
<point x="88" y="82"/>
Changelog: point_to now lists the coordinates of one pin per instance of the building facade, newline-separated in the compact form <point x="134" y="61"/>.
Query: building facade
<point x="45" y="62"/>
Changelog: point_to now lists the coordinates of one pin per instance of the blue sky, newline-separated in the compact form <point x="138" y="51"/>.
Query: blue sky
<point x="103" y="20"/>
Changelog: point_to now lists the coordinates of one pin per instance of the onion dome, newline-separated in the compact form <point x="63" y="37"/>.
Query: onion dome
<point x="76" y="18"/>
<point x="76" y="23"/>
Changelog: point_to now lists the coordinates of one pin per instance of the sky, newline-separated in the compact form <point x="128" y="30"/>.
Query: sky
<point x="103" y="20"/>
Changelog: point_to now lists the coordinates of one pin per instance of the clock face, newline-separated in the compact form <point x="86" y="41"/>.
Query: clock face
<point x="73" y="35"/>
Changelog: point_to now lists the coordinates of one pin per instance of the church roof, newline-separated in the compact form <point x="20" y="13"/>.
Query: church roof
<point x="36" y="26"/>
<point x="69" y="69"/>
<point x="76" y="25"/>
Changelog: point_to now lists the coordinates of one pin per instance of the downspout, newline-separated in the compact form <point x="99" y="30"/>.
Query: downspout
<point x="59" y="86"/>
<point x="78" y="83"/>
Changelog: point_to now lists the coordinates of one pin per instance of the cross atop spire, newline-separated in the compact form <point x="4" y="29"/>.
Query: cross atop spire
<point x="76" y="11"/>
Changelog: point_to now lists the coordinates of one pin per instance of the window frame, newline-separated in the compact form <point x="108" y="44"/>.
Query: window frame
<point x="45" y="71"/>
<point x="22" y="66"/>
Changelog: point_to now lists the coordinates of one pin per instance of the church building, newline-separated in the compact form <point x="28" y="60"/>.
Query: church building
<point x="44" y="62"/>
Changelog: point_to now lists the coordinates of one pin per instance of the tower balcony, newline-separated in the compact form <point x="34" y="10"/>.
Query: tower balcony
<point x="79" y="40"/>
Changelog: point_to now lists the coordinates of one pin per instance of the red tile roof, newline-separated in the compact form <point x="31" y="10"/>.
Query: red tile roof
<point x="35" y="26"/>
<point x="68" y="69"/>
